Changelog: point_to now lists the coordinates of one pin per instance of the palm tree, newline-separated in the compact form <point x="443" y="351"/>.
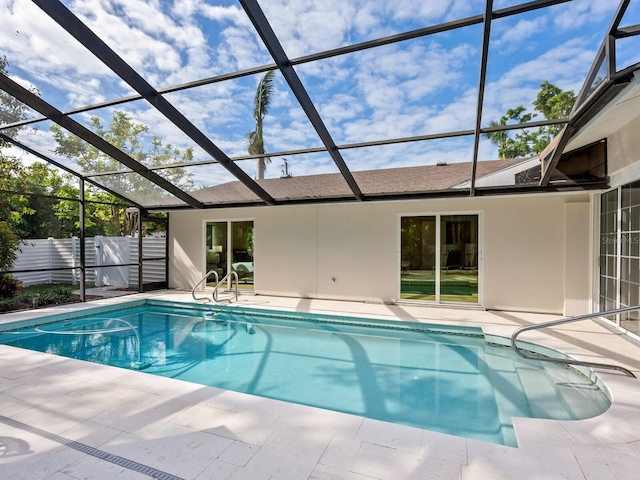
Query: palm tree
<point x="260" y="108"/>
<point x="498" y="138"/>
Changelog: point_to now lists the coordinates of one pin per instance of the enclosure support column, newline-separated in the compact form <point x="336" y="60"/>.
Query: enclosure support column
<point x="166" y="253"/>
<point x="82" y="251"/>
<point x="140" y="269"/>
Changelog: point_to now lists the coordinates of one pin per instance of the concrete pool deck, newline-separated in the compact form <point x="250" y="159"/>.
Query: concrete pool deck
<point x="64" y="419"/>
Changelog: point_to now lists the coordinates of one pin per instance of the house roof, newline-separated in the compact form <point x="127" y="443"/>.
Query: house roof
<point x="392" y="181"/>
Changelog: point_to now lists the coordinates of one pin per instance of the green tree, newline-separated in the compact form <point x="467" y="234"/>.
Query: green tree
<point x="129" y="137"/>
<point x="261" y="102"/>
<point x="518" y="145"/>
<point x="30" y="210"/>
<point x="12" y="207"/>
<point x="11" y="109"/>
<point x="102" y="215"/>
<point x="552" y="103"/>
<point x="9" y="244"/>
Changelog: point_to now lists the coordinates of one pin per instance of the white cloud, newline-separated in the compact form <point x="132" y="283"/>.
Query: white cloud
<point x="513" y="37"/>
<point x="390" y="91"/>
<point x="434" y="10"/>
<point x="234" y="14"/>
<point x="451" y="150"/>
<point x="167" y="48"/>
<point x="132" y="35"/>
<point x="565" y="66"/>
<point x="317" y="26"/>
<point x="342" y="108"/>
<point x="578" y="14"/>
<point x="455" y="116"/>
<point x="562" y="64"/>
<point x="307" y="26"/>
<point x="37" y="46"/>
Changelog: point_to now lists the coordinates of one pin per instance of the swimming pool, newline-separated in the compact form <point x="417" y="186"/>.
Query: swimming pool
<point x="446" y="379"/>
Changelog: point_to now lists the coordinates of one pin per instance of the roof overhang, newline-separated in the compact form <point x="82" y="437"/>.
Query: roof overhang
<point x="615" y="106"/>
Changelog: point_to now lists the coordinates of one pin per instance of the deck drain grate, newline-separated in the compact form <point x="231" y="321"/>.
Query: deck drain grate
<point x="101" y="454"/>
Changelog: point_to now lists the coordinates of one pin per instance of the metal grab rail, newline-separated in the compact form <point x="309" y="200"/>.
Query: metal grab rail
<point x="215" y="289"/>
<point x="193" y="290"/>
<point x="569" y="361"/>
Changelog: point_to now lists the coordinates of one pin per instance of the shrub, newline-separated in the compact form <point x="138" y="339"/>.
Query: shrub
<point x="8" y="285"/>
<point x="9" y="244"/>
<point x="45" y="295"/>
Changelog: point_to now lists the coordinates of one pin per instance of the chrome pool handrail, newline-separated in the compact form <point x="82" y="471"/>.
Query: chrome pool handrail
<point x="570" y="361"/>
<point x="193" y="290"/>
<point x="215" y="289"/>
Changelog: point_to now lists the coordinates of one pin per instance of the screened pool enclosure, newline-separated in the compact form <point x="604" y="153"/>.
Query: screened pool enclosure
<point x="114" y="117"/>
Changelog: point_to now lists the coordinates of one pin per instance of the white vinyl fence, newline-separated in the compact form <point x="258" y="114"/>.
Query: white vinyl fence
<point x="100" y="251"/>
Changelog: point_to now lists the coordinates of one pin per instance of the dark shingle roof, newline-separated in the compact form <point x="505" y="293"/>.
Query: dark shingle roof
<point x="389" y="181"/>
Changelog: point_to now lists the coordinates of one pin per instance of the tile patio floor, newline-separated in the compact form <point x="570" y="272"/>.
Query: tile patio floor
<point x="183" y="430"/>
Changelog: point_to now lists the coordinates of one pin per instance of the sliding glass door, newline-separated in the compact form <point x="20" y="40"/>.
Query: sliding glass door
<point x="620" y="254"/>
<point x="229" y="247"/>
<point x="439" y="258"/>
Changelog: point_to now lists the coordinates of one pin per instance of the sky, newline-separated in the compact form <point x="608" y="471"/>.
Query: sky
<point x="423" y="86"/>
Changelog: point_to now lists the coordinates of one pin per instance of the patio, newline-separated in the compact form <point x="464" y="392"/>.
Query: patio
<point x="183" y="430"/>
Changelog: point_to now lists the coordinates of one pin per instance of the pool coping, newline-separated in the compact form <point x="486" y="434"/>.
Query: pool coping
<point x="334" y="445"/>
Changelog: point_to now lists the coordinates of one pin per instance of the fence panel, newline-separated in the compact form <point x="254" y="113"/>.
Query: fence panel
<point x="62" y="254"/>
<point x="155" y="270"/>
<point x="90" y="259"/>
<point x="33" y="254"/>
<point x="49" y="253"/>
<point x="152" y="271"/>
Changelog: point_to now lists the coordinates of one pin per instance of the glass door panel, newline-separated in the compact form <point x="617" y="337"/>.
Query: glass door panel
<point x="418" y="258"/>
<point x="459" y="258"/>
<point x="242" y="253"/>
<point x="216" y="250"/>
<point x="439" y="258"/>
<point x="609" y="251"/>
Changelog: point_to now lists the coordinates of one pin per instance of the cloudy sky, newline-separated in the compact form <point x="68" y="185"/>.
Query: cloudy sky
<point x="417" y="87"/>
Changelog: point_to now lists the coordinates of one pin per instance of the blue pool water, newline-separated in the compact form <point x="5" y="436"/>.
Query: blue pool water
<point x="444" y="379"/>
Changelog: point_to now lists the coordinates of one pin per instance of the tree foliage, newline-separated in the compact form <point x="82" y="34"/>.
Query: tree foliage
<point x="261" y="102"/>
<point x="11" y="109"/>
<point x="9" y="244"/>
<point x="129" y="137"/>
<point x="33" y="210"/>
<point x="552" y="103"/>
<point x="44" y="200"/>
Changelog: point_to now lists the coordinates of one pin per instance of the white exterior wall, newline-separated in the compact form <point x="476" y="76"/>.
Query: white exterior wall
<point x="299" y="250"/>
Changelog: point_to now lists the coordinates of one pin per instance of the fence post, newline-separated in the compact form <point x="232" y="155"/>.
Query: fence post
<point x="50" y="242"/>
<point x="74" y="260"/>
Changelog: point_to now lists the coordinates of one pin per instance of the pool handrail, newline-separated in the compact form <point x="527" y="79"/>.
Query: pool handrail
<point x="224" y="279"/>
<point x="570" y="361"/>
<point x="193" y="290"/>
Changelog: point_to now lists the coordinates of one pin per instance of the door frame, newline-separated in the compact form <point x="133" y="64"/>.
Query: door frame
<point x="229" y="253"/>
<point x="438" y="215"/>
